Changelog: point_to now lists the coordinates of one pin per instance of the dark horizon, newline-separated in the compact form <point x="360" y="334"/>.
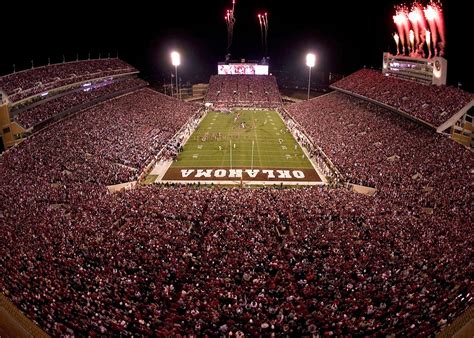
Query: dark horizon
<point x="345" y="37"/>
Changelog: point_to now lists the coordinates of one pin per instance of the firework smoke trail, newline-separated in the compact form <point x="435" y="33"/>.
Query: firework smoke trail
<point x="265" y="26"/>
<point x="427" y="25"/>
<point x="414" y="17"/>
<point x="417" y="17"/>
<point x="261" y="32"/>
<point x="400" y="21"/>
<point x="439" y="20"/>
<point x="227" y="21"/>
<point x="431" y="15"/>
<point x="230" y="21"/>
<point x="403" y="12"/>
<point x="428" y="43"/>
<point x="412" y="41"/>
<point x="397" y="41"/>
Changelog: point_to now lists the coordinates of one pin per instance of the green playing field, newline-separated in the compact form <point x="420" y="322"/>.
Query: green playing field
<point x="242" y="139"/>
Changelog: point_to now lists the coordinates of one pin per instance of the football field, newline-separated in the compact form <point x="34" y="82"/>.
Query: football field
<point x="246" y="140"/>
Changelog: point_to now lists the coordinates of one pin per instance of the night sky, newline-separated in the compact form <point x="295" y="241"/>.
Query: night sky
<point x="344" y="36"/>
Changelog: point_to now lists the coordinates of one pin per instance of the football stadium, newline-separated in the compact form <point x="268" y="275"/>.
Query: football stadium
<point x="255" y="199"/>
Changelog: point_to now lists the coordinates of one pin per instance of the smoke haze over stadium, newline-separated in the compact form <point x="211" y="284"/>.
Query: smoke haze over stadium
<point x="345" y="35"/>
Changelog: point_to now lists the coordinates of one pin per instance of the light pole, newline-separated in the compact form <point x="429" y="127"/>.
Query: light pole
<point x="171" y="85"/>
<point x="176" y="61"/>
<point x="310" y="62"/>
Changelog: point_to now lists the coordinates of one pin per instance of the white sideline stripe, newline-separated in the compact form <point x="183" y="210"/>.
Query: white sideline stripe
<point x="160" y="169"/>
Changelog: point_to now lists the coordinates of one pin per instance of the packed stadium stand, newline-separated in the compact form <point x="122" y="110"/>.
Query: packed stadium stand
<point x="106" y="144"/>
<point x="243" y="91"/>
<point x="428" y="103"/>
<point x="21" y="85"/>
<point x="166" y="260"/>
<point x="40" y="112"/>
<point x="37" y="97"/>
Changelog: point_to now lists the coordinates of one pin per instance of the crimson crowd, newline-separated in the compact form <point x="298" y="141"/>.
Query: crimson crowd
<point x="169" y="261"/>
<point x="33" y="81"/>
<point x="40" y="113"/>
<point x="106" y="144"/>
<point x="166" y="260"/>
<point x="431" y="104"/>
<point x="243" y="91"/>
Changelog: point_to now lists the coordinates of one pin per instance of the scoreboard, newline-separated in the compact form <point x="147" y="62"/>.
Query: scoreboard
<point x="242" y="69"/>
<point x="426" y="71"/>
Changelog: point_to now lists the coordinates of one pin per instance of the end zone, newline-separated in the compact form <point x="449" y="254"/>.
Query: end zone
<point x="231" y="176"/>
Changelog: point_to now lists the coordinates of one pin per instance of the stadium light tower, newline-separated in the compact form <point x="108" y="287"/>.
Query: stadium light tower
<point x="310" y="62"/>
<point x="176" y="61"/>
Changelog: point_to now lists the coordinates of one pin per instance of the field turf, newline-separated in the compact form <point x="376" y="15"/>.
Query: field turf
<point x="224" y="140"/>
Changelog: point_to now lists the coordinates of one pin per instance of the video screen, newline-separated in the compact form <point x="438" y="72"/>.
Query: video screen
<point x="243" y="69"/>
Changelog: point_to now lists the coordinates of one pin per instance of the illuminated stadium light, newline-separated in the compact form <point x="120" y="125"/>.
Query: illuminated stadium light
<point x="310" y="62"/>
<point x="175" y="59"/>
